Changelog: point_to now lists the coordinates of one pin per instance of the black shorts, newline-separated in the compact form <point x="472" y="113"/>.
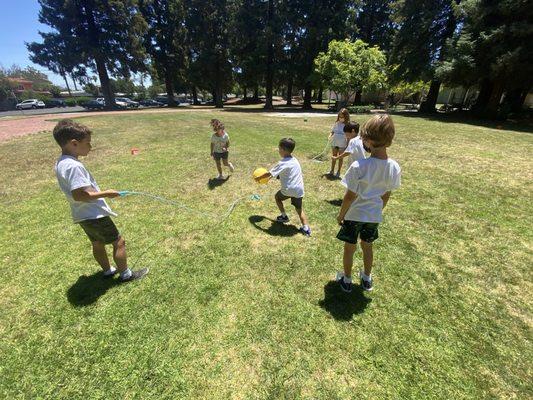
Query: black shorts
<point x="295" y="201"/>
<point x="223" y="156"/>
<point x="100" y="230"/>
<point x="350" y="230"/>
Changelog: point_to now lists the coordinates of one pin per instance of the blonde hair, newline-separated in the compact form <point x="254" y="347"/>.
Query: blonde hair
<point x="379" y="129"/>
<point x="344" y="112"/>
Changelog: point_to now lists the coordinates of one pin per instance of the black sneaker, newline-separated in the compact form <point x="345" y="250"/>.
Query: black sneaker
<point x="306" y="232"/>
<point x="366" y="285"/>
<point x="345" y="286"/>
<point x="283" y="219"/>
<point x="139" y="274"/>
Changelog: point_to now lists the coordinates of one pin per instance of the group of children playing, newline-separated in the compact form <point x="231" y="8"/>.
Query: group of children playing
<point x="368" y="181"/>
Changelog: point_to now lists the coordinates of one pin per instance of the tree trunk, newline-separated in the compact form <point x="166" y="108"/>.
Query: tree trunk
<point x="105" y="84"/>
<point x="244" y="93"/>
<point x="169" y="85"/>
<point x="483" y="97"/>
<point x="270" y="58"/>
<point x="320" y="94"/>
<point x="307" y="96"/>
<point x="96" y="50"/>
<point x="66" y="83"/>
<point x="428" y="105"/>
<point x="256" y="93"/>
<point x="495" y="98"/>
<point x="195" y="96"/>
<point x="74" y="82"/>
<point x="357" y="97"/>
<point x="289" y="91"/>
<point x="515" y="98"/>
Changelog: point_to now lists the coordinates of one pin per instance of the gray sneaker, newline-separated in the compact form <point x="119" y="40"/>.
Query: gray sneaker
<point x="139" y="274"/>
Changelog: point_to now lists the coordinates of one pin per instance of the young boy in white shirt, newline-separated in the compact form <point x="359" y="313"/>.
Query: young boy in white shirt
<point x="87" y="204"/>
<point x="290" y="175"/>
<point x="369" y="183"/>
<point x="355" y="149"/>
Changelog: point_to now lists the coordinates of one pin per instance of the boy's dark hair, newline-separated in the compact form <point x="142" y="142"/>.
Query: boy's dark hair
<point x="67" y="129"/>
<point x="351" y="126"/>
<point x="287" y="144"/>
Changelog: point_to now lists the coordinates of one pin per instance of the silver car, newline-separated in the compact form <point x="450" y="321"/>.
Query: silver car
<point x="30" y="103"/>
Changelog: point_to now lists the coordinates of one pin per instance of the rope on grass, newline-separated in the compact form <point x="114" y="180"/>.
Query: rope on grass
<point x="318" y="157"/>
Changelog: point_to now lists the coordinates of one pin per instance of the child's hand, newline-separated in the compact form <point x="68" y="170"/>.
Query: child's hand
<point x="334" y="157"/>
<point x="224" y="149"/>
<point x="212" y="155"/>
<point x="340" y="219"/>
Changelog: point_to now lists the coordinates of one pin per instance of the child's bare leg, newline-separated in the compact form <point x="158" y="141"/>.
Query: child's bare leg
<point x="340" y="166"/>
<point x="119" y="254"/>
<point x="100" y="255"/>
<point x="228" y="164"/>
<point x="219" y="167"/>
<point x="347" y="259"/>
<point x="303" y="217"/>
<point x="368" y="257"/>
<point x="335" y="152"/>
<point x="281" y="207"/>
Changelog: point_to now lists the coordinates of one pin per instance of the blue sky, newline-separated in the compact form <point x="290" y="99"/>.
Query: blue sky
<point x="19" y="23"/>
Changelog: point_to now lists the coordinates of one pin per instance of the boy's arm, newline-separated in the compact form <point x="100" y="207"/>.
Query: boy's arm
<point x="87" y="194"/>
<point x="267" y="175"/>
<point x="385" y="198"/>
<point x="212" y="147"/>
<point x="349" y="198"/>
<point x="227" y="145"/>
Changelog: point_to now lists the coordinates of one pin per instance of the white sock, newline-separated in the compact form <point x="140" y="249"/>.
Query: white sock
<point x="306" y="227"/>
<point x="365" y="277"/>
<point x="347" y="280"/>
<point x="126" y="274"/>
<point x="283" y="214"/>
<point x="110" y="271"/>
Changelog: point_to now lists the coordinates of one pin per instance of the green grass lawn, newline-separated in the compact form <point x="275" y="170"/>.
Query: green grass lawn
<point x="244" y="309"/>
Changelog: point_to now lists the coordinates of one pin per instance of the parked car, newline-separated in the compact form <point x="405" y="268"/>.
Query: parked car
<point x="129" y="102"/>
<point x="151" y="103"/>
<point x="122" y="105"/>
<point x="164" y="100"/>
<point x="94" y="105"/>
<point x="55" y="103"/>
<point x="31" y="103"/>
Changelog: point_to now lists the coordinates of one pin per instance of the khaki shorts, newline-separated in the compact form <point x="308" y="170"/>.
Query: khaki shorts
<point x="100" y="230"/>
<point x="295" y="201"/>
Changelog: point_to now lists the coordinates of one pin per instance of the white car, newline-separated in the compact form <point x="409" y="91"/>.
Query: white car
<point x="31" y="103"/>
<point x="120" y="104"/>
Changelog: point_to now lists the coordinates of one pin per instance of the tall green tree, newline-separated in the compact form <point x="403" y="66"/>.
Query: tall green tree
<point x="494" y="50"/>
<point x="419" y="44"/>
<point x="208" y="37"/>
<point x="371" y="21"/>
<point x="105" y="36"/>
<point x="165" y="40"/>
<point x="350" y="67"/>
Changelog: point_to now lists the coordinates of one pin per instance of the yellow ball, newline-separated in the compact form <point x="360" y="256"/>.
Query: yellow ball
<point x="258" y="172"/>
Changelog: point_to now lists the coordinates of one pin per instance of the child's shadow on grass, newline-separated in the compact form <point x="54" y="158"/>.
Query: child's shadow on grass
<point x="336" y="202"/>
<point x="342" y="306"/>
<point x="215" y="182"/>
<point x="88" y="289"/>
<point x="275" y="229"/>
<point x="330" y="177"/>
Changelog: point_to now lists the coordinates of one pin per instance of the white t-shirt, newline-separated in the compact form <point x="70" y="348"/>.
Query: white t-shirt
<point x="370" y="178"/>
<point x="71" y="174"/>
<point x="356" y="149"/>
<point x="219" y="142"/>
<point x="338" y="139"/>
<point x="290" y="176"/>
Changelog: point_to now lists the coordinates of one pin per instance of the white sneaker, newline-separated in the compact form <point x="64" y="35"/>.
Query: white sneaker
<point x="231" y="167"/>
<point x="220" y="176"/>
